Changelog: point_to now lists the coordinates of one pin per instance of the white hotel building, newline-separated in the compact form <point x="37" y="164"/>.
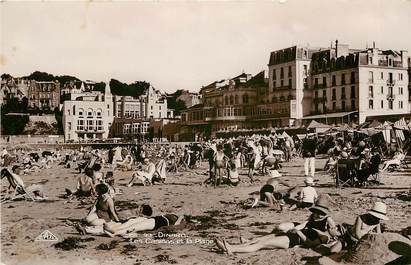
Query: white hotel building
<point x="88" y="115"/>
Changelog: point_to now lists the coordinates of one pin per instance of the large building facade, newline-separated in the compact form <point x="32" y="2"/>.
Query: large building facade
<point x="151" y="105"/>
<point x="332" y="85"/>
<point x="355" y="85"/>
<point x="88" y="115"/>
<point x="44" y="95"/>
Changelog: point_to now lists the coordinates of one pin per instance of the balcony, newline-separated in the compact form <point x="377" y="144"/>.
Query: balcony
<point x="286" y="87"/>
<point x="320" y="86"/>
<point x="390" y="97"/>
<point x="320" y="100"/>
<point x="390" y="82"/>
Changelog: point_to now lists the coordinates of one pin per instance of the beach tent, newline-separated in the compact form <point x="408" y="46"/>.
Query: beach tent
<point x="401" y="124"/>
<point x="318" y="127"/>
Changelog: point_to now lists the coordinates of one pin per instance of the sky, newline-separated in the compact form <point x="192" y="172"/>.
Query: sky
<point x="185" y="44"/>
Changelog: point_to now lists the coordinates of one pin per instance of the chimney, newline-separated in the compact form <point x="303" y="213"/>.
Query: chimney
<point x="373" y="44"/>
<point x="336" y="48"/>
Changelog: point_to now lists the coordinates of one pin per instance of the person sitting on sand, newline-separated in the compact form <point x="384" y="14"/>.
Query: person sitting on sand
<point x="139" y="224"/>
<point x="98" y="176"/>
<point x="85" y="185"/>
<point x="103" y="211"/>
<point x="308" y="195"/>
<point x="126" y="164"/>
<point x="109" y="180"/>
<point x="233" y="178"/>
<point x="269" y="193"/>
<point x="320" y="229"/>
<point x="145" y="175"/>
<point x="367" y="223"/>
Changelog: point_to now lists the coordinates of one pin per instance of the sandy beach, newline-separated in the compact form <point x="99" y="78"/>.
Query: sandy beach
<point x="212" y="211"/>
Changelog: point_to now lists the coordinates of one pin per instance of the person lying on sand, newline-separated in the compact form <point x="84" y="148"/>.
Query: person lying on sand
<point x="320" y="229"/>
<point x="85" y="185"/>
<point x="103" y="211"/>
<point x="367" y="223"/>
<point x="139" y="224"/>
<point x="145" y="175"/>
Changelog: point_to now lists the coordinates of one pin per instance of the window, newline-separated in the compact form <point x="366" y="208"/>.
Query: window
<point x="316" y="82"/>
<point x="290" y="73"/>
<point x="80" y="112"/>
<point x="282" y="83"/>
<point x="68" y="112"/>
<point x="343" y="79"/>
<point x="352" y="104"/>
<point x="343" y="105"/>
<point x="382" y="104"/>
<point x="371" y="104"/>
<point x="343" y="93"/>
<point x="324" y="81"/>
<point x="390" y="104"/>
<point x="226" y="100"/>
<point x="334" y="106"/>
<point x="74" y="110"/>
<point x="245" y="99"/>
<point x="236" y="99"/>
<point x="370" y="77"/>
<point x="316" y="94"/>
<point x="69" y="126"/>
<point x="400" y="76"/>
<point x="274" y="74"/>
<point x="274" y="85"/>
<point x="333" y="80"/>
<point x="305" y="69"/>
<point x="231" y="100"/>
<point x="370" y="59"/>
<point x="400" y="91"/>
<point x="352" y="77"/>
<point x="370" y="92"/>
<point x="334" y="96"/>
<point x="324" y="93"/>
<point x="282" y="73"/>
<point x="382" y="90"/>
<point x="352" y="91"/>
<point x="400" y="105"/>
<point x="290" y="83"/>
<point x="382" y="75"/>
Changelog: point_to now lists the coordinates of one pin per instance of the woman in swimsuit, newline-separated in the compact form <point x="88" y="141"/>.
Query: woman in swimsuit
<point x="367" y="223"/>
<point x="102" y="212"/>
<point x="319" y="229"/>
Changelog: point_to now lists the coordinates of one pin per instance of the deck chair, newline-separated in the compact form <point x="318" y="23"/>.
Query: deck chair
<point x="344" y="173"/>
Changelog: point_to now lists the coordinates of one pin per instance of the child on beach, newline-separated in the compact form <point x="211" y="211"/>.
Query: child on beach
<point x="308" y="195"/>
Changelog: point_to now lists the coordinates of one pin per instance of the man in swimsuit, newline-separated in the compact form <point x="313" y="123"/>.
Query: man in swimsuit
<point x="142" y="224"/>
<point x="85" y="185"/>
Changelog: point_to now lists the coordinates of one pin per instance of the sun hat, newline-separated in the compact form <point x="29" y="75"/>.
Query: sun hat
<point x="379" y="210"/>
<point x="321" y="205"/>
<point x="309" y="180"/>
<point x="274" y="173"/>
